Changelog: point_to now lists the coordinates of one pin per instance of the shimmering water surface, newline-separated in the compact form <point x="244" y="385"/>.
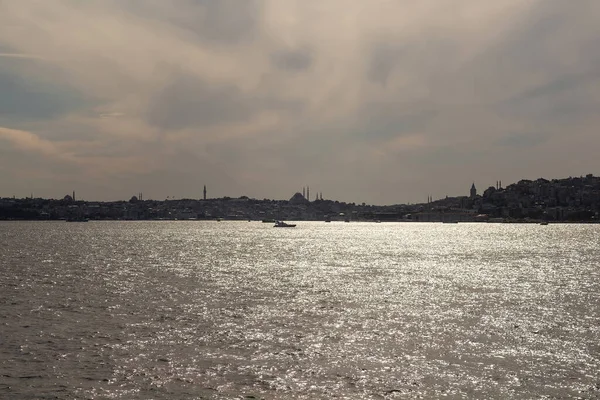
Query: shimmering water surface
<point x="178" y="310"/>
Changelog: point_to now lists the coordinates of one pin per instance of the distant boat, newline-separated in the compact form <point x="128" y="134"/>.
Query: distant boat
<point x="281" y="224"/>
<point x="544" y="223"/>
<point x="268" y="221"/>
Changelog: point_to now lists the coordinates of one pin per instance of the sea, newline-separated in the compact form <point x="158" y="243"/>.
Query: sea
<point x="243" y="310"/>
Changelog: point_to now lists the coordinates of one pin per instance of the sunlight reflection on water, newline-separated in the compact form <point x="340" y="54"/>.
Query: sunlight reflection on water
<point x="219" y="310"/>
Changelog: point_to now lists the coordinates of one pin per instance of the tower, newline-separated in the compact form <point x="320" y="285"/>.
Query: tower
<point x="204" y="192"/>
<point x="473" y="191"/>
<point x="303" y="192"/>
<point x="73" y="195"/>
<point x="308" y="193"/>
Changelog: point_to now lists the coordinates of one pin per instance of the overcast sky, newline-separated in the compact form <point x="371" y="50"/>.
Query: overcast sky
<point x="374" y="101"/>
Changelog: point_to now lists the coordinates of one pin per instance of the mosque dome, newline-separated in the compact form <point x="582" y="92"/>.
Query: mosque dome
<point x="298" y="199"/>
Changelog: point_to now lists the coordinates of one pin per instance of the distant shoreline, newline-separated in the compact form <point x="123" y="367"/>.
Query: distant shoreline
<point x="569" y="200"/>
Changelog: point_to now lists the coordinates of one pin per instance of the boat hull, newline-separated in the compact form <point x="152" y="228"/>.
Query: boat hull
<point x="281" y="224"/>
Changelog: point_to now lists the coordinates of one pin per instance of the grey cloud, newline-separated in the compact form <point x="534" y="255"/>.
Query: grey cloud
<point x="189" y="101"/>
<point x="526" y="46"/>
<point x="562" y="84"/>
<point x="292" y="60"/>
<point x="539" y="44"/>
<point x="22" y="99"/>
<point x="417" y="55"/>
<point x="229" y="20"/>
<point x="520" y="140"/>
<point x="384" y="59"/>
<point x="219" y="21"/>
<point x="564" y="99"/>
<point x="382" y="121"/>
<point x="470" y="93"/>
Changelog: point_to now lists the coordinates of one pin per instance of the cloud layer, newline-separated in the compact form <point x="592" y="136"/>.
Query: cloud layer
<point x="382" y="102"/>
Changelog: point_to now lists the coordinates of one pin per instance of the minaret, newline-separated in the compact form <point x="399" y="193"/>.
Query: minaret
<point x="303" y="192"/>
<point x="308" y="193"/>
<point x="204" y="192"/>
<point x="73" y="195"/>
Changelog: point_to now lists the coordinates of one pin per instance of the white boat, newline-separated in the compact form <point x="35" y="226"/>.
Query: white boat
<point x="281" y="224"/>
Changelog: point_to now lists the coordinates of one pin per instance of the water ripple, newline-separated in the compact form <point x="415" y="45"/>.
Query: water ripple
<point x="163" y="310"/>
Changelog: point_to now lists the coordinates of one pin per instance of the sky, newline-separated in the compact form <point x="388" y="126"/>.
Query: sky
<point x="383" y="102"/>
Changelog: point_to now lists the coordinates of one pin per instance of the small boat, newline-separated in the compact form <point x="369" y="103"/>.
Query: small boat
<point x="544" y="223"/>
<point x="281" y="224"/>
<point x="268" y="221"/>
